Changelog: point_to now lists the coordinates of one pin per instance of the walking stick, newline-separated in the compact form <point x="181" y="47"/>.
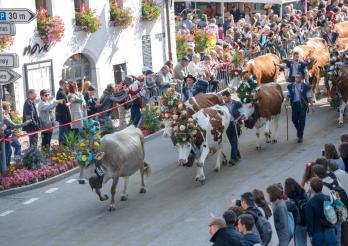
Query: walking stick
<point x="287" y="123"/>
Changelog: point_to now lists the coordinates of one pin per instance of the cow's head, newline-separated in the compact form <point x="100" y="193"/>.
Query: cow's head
<point x="184" y="150"/>
<point x="88" y="171"/>
<point x="252" y="114"/>
<point x="248" y="69"/>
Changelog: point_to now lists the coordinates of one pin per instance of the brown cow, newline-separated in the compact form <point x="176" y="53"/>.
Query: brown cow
<point x="317" y="50"/>
<point x="263" y="68"/>
<point x="339" y="88"/>
<point x="342" y="29"/>
<point x="266" y="108"/>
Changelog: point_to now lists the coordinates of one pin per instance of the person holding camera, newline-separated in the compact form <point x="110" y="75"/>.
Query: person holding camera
<point x="30" y="113"/>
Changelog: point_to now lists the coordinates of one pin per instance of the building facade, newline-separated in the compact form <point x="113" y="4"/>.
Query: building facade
<point x="103" y="57"/>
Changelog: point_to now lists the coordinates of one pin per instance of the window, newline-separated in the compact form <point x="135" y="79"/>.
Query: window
<point x="44" y="4"/>
<point x="80" y="4"/>
<point x="77" y="68"/>
<point x="39" y="75"/>
<point x="120" y="72"/>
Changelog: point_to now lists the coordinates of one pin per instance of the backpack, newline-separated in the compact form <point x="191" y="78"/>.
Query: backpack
<point x="291" y="224"/>
<point x="330" y="217"/>
<point x="340" y="208"/>
<point x="301" y="205"/>
<point x="335" y="186"/>
<point x="264" y="228"/>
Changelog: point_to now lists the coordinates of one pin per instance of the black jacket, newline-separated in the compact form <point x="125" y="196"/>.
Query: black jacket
<point x="62" y="111"/>
<point x="315" y="214"/>
<point x="91" y="104"/>
<point x="30" y="113"/>
<point x="223" y="238"/>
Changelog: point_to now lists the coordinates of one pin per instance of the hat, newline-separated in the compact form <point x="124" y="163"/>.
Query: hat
<point x="185" y="58"/>
<point x="147" y="70"/>
<point x="91" y="88"/>
<point x="191" y="77"/>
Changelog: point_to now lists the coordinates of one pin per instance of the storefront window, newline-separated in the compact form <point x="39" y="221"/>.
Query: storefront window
<point x="39" y="75"/>
<point x="77" y="68"/>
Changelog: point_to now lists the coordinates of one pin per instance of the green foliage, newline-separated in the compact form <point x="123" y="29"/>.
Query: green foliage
<point x="16" y="118"/>
<point x="149" y="11"/>
<point x="247" y="89"/>
<point x="121" y="16"/>
<point x="71" y="139"/>
<point x="88" y="21"/>
<point x="33" y="158"/>
<point x="181" y="45"/>
<point x="151" y="120"/>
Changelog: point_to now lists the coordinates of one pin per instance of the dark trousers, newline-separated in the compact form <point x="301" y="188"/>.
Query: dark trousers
<point x="17" y="147"/>
<point x="8" y="153"/>
<point x="135" y="115"/>
<point x="62" y="132"/>
<point x="233" y="139"/>
<point x="33" y="139"/>
<point x="299" y="111"/>
<point x="46" y="140"/>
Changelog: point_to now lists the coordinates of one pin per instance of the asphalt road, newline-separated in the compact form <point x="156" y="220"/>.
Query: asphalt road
<point x="176" y="209"/>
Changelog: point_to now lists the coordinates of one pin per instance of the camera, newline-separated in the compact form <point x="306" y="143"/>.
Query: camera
<point x="238" y="203"/>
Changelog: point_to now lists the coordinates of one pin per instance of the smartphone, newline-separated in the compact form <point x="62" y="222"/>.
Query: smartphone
<point x="323" y="152"/>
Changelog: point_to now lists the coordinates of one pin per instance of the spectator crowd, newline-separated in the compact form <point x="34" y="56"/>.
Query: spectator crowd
<point x="311" y="211"/>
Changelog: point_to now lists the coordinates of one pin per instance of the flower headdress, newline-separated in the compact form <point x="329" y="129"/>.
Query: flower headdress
<point x="170" y="103"/>
<point x="184" y="128"/>
<point x="247" y="89"/>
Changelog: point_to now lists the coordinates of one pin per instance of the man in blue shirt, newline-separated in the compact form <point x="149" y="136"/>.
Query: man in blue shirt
<point x="233" y="130"/>
<point x="299" y="96"/>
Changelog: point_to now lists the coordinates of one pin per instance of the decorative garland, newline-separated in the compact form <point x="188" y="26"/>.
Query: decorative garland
<point x="5" y="42"/>
<point x="122" y="17"/>
<point x="184" y="128"/>
<point x="247" y="90"/>
<point x="204" y="40"/>
<point x="170" y="103"/>
<point x="150" y="11"/>
<point x="87" y="20"/>
<point x="89" y="146"/>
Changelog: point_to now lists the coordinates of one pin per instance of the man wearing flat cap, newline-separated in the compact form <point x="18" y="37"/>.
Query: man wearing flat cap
<point x="180" y="70"/>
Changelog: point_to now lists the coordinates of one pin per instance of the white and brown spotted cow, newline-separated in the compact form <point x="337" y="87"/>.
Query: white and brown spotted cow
<point x="212" y="125"/>
<point x="338" y="87"/>
<point x="265" y="109"/>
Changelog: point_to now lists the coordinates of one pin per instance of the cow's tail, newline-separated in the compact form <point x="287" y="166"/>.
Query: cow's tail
<point x="146" y="169"/>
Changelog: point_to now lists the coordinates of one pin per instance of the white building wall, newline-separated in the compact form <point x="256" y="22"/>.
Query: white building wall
<point x="107" y="47"/>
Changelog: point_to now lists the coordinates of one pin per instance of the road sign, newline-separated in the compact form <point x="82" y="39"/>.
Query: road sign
<point x="7" y="28"/>
<point x="18" y="16"/>
<point x="8" y="76"/>
<point x="9" y="60"/>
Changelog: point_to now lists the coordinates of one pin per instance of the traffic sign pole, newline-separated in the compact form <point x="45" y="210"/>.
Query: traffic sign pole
<point x="3" y="149"/>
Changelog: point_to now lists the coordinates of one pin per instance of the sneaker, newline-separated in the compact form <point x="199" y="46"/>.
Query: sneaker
<point x="231" y="163"/>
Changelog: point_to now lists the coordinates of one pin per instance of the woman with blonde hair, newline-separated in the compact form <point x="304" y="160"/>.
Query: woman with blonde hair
<point x="85" y="87"/>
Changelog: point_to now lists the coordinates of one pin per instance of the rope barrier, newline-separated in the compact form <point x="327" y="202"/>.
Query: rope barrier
<point x="66" y="124"/>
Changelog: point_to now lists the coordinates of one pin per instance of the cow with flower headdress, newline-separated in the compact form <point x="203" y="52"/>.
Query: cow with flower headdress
<point x="115" y="155"/>
<point x="262" y="106"/>
<point x="202" y="133"/>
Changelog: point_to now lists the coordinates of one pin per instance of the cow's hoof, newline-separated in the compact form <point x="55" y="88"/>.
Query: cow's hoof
<point x="142" y="190"/>
<point x="224" y="162"/>
<point x="268" y="141"/>
<point x="197" y="178"/>
<point x="216" y="169"/>
<point x="82" y="181"/>
<point x="258" y="147"/>
<point x="274" y="141"/>
<point x="112" y="207"/>
<point x="202" y="182"/>
<point x="124" y="198"/>
<point x="104" y="198"/>
<point x="340" y="124"/>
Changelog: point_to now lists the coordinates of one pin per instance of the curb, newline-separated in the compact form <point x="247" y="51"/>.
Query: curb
<point x="60" y="176"/>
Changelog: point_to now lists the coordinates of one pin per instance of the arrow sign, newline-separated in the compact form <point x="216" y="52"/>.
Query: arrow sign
<point x="8" y="77"/>
<point x="9" y="60"/>
<point x="18" y="16"/>
<point x="7" y="28"/>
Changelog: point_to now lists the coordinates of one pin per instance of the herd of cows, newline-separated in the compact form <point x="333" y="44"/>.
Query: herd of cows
<point x="212" y="119"/>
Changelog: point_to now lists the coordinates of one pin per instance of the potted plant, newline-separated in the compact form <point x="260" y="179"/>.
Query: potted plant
<point x="151" y="121"/>
<point x="119" y="16"/>
<point x="5" y="42"/>
<point x="150" y="11"/>
<point x="87" y="20"/>
<point x="50" y="29"/>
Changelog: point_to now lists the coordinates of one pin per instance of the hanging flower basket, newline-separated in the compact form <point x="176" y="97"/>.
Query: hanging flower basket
<point x="5" y="42"/>
<point x="150" y="11"/>
<point x="50" y="29"/>
<point x="122" y="17"/>
<point x="204" y="40"/>
<point x="87" y="20"/>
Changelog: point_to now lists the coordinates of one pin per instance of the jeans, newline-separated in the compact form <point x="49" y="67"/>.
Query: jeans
<point x="8" y="153"/>
<point x="17" y="148"/>
<point x="338" y="232"/>
<point x="300" y="236"/>
<point x="135" y="115"/>
<point x="325" y="238"/>
<point x="233" y="139"/>
<point x="299" y="111"/>
<point x="46" y="140"/>
<point x="33" y="139"/>
<point x="62" y="132"/>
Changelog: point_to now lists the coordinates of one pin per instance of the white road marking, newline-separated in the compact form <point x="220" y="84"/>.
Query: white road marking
<point x="51" y="190"/>
<point x="70" y="181"/>
<point x="31" y="200"/>
<point x="6" y="213"/>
